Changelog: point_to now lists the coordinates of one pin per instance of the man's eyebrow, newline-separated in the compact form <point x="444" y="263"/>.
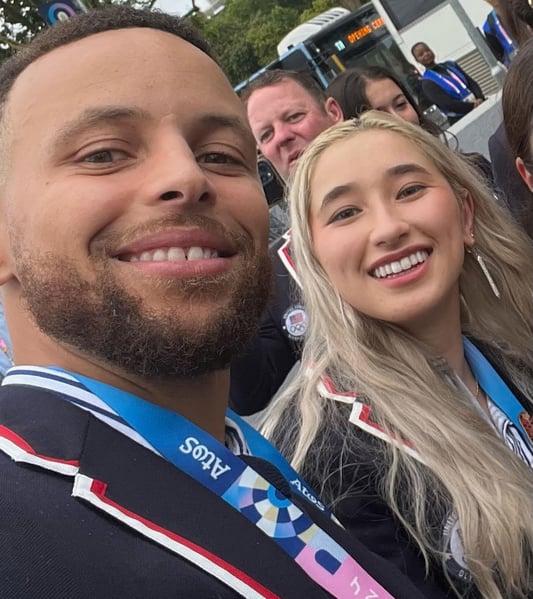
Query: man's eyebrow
<point x="227" y="121"/>
<point x="95" y="116"/>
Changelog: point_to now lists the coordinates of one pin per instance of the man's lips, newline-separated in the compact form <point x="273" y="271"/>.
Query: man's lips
<point x="294" y="157"/>
<point x="175" y="245"/>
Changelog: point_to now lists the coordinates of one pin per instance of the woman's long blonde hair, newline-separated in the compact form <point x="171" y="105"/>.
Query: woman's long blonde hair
<point x="465" y="468"/>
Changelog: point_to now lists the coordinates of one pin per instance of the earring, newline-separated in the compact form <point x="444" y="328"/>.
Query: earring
<point x="479" y="258"/>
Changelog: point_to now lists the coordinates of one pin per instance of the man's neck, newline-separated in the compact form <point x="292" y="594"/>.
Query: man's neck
<point x="202" y="399"/>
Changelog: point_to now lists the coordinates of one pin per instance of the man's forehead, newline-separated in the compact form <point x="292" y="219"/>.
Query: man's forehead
<point x="277" y="99"/>
<point x="287" y="90"/>
<point x="155" y="65"/>
<point x="104" y="51"/>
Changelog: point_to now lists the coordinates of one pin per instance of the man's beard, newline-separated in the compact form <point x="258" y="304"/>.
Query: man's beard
<point x="107" y="323"/>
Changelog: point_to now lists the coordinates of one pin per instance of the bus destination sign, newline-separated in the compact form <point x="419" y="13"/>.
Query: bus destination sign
<point x="365" y="30"/>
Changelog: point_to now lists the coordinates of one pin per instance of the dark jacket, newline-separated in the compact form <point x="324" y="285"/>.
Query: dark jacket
<point x="257" y="376"/>
<point x="506" y="178"/>
<point x="86" y="512"/>
<point x="349" y="478"/>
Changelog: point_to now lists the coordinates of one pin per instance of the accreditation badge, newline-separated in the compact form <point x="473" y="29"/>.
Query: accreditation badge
<point x="454" y="550"/>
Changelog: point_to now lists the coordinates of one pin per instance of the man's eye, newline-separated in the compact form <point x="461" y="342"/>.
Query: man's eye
<point x="104" y="156"/>
<point x="295" y="116"/>
<point x="265" y="137"/>
<point x="217" y="158"/>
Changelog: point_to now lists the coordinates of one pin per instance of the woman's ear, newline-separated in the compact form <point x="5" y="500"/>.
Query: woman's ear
<point x="468" y="220"/>
<point x="523" y="171"/>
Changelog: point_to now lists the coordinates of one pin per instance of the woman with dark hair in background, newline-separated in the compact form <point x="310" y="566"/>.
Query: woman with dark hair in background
<point x="364" y="88"/>
<point x="375" y="88"/>
<point x="517" y="22"/>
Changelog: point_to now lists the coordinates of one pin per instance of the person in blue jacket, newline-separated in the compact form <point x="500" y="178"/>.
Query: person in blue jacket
<point x="446" y="84"/>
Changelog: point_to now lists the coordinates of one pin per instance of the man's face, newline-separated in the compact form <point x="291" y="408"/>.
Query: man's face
<point x="285" y="119"/>
<point x="134" y="225"/>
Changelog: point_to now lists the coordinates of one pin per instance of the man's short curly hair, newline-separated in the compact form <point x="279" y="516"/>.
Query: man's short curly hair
<point x="87" y="24"/>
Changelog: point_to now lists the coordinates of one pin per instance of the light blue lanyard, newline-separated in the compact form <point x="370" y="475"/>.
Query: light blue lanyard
<point x="200" y="455"/>
<point x="451" y="82"/>
<point x="494" y="386"/>
<point x="261" y="447"/>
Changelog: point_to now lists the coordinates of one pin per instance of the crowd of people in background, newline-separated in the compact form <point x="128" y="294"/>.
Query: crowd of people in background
<point x="385" y="337"/>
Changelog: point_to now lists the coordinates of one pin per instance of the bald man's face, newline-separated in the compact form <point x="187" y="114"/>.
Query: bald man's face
<point x="285" y="118"/>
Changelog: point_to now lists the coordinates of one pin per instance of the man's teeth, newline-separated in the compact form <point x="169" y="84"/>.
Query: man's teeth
<point x="174" y="254"/>
<point x="398" y="266"/>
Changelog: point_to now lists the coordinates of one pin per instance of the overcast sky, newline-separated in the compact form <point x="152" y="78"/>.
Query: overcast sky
<point x="180" y="7"/>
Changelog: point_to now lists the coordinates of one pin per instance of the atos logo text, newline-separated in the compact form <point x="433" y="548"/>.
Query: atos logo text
<point x="207" y="458"/>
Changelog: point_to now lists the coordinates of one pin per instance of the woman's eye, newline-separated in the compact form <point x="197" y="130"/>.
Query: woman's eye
<point x="344" y="214"/>
<point x="411" y="190"/>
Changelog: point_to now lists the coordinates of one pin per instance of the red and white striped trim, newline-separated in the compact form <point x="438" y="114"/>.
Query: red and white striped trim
<point x="286" y="258"/>
<point x="93" y="492"/>
<point x="361" y="415"/>
<point x="21" y="451"/>
<point x="327" y="389"/>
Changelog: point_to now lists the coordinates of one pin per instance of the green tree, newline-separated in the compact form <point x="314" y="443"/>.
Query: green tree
<point x="20" y="20"/>
<point x="267" y="31"/>
<point x="317" y="7"/>
<point x="245" y="35"/>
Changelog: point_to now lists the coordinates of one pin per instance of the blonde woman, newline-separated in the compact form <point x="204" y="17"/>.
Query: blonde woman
<point x="413" y="416"/>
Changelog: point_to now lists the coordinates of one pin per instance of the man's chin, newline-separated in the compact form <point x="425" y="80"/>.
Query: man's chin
<point x="179" y="332"/>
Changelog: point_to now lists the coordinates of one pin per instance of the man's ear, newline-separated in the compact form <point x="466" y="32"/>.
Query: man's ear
<point x="334" y="110"/>
<point x="6" y="260"/>
<point x="523" y="171"/>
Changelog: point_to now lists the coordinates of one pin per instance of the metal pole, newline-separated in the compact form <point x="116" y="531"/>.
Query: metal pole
<point x="497" y="70"/>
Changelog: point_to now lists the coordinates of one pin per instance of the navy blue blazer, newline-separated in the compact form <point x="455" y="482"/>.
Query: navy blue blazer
<point x="86" y="512"/>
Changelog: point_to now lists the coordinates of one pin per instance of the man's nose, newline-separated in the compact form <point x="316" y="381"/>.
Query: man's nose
<point x="283" y="134"/>
<point x="174" y="174"/>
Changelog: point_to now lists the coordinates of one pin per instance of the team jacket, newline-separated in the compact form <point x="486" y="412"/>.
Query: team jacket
<point x="257" y="376"/>
<point x="86" y="512"/>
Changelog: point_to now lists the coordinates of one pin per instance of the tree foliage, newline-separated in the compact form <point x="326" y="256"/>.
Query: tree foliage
<point x="20" y="20"/>
<point x="244" y="36"/>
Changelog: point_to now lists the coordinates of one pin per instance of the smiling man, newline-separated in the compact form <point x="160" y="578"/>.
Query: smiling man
<point x="286" y="111"/>
<point x="134" y="266"/>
